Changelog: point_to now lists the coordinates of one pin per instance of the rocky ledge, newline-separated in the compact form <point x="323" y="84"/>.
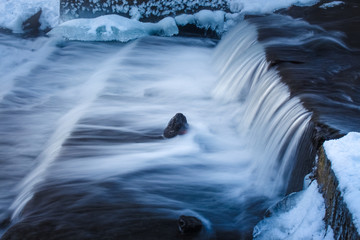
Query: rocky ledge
<point x="337" y="214"/>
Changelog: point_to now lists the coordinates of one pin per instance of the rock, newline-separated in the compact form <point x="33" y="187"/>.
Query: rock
<point x="32" y="24"/>
<point x="177" y="126"/>
<point x="189" y="224"/>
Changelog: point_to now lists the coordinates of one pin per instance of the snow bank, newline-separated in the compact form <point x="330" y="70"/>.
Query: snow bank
<point x="117" y="28"/>
<point x="14" y="12"/>
<point x="265" y="6"/>
<point x="344" y="154"/>
<point x="299" y="216"/>
<point x="112" y="28"/>
<point x="331" y="4"/>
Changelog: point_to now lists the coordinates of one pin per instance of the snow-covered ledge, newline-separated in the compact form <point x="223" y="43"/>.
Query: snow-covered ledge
<point x="338" y="175"/>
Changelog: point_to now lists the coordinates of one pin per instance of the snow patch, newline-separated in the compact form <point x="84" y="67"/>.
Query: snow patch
<point x="331" y="4"/>
<point x="206" y="19"/>
<point x="344" y="154"/>
<point x="113" y="28"/>
<point x="265" y="6"/>
<point x="298" y="216"/>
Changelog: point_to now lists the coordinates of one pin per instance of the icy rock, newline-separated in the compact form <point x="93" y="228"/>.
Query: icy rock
<point x="15" y="13"/>
<point x="298" y="216"/>
<point x="344" y="155"/>
<point x="32" y="24"/>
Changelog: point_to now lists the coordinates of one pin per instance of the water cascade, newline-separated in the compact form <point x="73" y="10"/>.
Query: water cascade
<point x="272" y="122"/>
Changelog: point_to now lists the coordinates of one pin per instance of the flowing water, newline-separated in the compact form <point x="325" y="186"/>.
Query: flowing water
<point x="82" y="154"/>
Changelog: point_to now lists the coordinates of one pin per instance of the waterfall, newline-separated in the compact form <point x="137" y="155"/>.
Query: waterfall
<point x="270" y="119"/>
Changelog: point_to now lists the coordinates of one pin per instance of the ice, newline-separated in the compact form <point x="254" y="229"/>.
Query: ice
<point x="113" y="28"/>
<point x="265" y="6"/>
<point x="15" y="12"/>
<point x="299" y="216"/>
<point x="344" y="154"/>
<point x="206" y="19"/>
<point x="331" y="4"/>
<point x="134" y="13"/>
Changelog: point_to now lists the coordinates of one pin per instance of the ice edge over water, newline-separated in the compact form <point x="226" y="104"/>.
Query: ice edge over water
<point x="299" y="216"/>
<point x="113" y="28"/>
<point x="14" y="13"/>
<point x="117" y="28"/>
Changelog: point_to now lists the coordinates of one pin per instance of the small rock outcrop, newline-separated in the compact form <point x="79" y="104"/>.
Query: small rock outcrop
<point x="32" y="25"/>
<point x="189" y="225"/>
<point x="177" y="126"/>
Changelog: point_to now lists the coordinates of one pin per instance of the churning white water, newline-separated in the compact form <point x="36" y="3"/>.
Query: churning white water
<point x="95" y="112"/>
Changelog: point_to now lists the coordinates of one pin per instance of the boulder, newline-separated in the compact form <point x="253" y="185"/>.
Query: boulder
<point x="177" y="126"/>
<point x="32" y="25"/>
<point x="189" y="224"/>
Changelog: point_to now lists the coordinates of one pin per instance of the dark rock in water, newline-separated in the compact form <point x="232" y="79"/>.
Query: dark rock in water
<point x="32" y="24"/>
<point x="5" y="222"/>
<point x="189" y="225"/>
<point x="176" y="126"/>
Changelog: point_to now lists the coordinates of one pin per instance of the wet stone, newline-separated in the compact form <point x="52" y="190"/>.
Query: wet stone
<point x="189" y="225"/>
<point x="177" y="126"/>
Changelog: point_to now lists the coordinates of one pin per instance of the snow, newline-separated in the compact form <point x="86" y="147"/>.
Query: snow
<point x="298" y="216"/>
<point x="331" y="4"/>
<point x="112" y="28"/>
<point x="207" y="19"/>
<point x="14" y="12"/>
<point x="265" y="6"/>
<point x="344" y="154"/>
<point x="117" y="28"/>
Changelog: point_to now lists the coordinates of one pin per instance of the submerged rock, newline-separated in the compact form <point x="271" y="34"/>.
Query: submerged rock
<point x="177" y="126"/>
<point x="189" y="225"/>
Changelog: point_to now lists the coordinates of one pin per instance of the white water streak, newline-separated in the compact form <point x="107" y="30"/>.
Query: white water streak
<point x="27" y="58"/>
<point x="88" y="93"/>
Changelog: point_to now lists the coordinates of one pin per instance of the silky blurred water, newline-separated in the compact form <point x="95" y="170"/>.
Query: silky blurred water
<point x="81" y="129"/>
